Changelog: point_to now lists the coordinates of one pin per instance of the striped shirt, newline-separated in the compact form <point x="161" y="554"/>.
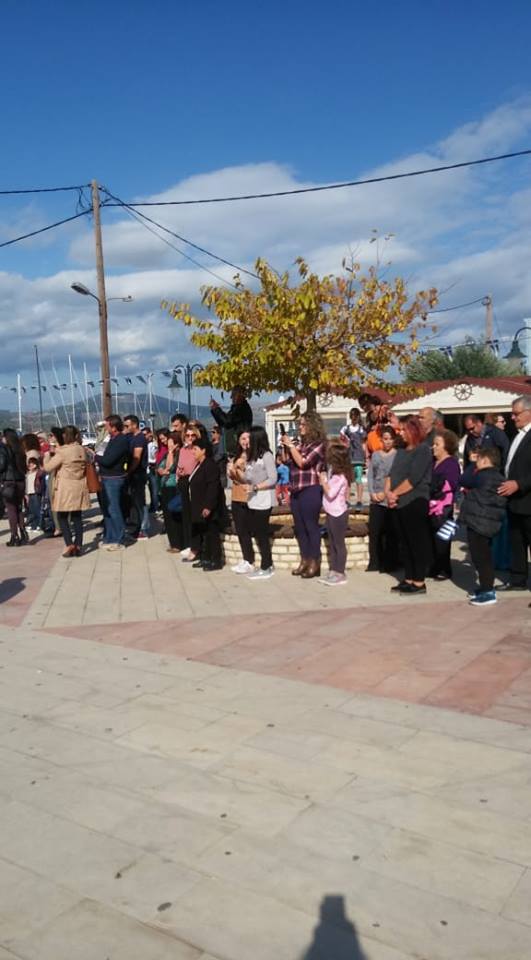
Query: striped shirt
<point x="312" y="465"/>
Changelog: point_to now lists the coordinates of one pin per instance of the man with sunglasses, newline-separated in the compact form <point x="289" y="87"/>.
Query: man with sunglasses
<point x="481" y="434"/>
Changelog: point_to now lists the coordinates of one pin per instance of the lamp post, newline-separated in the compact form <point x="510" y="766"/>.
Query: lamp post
<point x="187" y="371"/>
<point x="515" y="354"/>
<point x="106" y="396"/>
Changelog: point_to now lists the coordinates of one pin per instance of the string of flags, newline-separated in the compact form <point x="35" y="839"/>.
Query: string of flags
<point x="130" y="381"/>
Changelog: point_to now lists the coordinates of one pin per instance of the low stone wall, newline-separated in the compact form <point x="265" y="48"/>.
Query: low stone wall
<point x="286" y="554"/>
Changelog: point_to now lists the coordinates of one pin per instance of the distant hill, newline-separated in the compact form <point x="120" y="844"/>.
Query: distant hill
<point x="126" y="403"/>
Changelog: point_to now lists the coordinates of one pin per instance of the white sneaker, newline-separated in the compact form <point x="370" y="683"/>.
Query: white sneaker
<point x="243" y="567"/>
<point x="335" y="580"/>
<point x="113" y="547"/>
<point x="185" y="554"/>
<point x="261" y="574"/>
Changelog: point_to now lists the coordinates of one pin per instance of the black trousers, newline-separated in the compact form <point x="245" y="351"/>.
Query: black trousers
<point x="242" y="525"/>
<point x="337" y="528"/>
<point x="136" y="485"/>
<point x="520" y="534"/>
<point x="481" y="555"/>
<point x="14" y="509"/>
<point x="441" y="548"/>
<point x="172" y="521"/>
<point x="206" y="540"/>
<point x="415" y="538"/>
<point x="66" y="519"/>
<point x="260" y="530"/>
<point x="184" y="518"/>
<point x="383" y="545"/>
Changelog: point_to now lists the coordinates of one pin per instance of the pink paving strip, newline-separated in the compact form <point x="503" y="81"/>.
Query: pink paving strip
<point x="444" y="654"/>
<point x="24" y="571"/>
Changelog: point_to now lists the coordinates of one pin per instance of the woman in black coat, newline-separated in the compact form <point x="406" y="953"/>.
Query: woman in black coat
<point x="207" y="505"/>
<point x="12" y="485"/>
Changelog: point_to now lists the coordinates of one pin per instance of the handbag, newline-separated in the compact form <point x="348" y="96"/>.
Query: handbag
<point x="448" y="530"/>
<point x="92" y="478"/>
<point x="175" y="505"/>
<point x="8" y="491"/>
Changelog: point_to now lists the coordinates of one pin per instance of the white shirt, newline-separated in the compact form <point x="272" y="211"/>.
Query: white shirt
<point x="514" y="446"/>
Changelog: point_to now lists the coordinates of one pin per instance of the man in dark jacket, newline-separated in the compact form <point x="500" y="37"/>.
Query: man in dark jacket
<point x="482" y="512"/>
<point x="481" y="434"/>
<point x="112" y="464"/>
<point x="235" y="420"/>
<point x="517" y="487"/>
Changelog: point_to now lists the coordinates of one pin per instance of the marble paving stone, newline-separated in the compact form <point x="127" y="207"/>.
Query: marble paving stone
<point x="358" y="729"/>
<point x="340" y="836"/>
<point x="463" y="759"/>
<point x="238" y="924"/>
<point x="482" y="831"/>
<point x="298" y="778"/>
<point x="438" y="720"/>
<point x="28" y="902"/>
<point x="248" y="805"/>
<point x="518" y="905"/>
<point x="75" y="797"/>
<point x="173" y="832"/>
<point x="442" y="868"/>
<point x="90" y="931"/>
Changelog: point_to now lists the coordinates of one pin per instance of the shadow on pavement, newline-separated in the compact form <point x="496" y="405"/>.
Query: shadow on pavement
<point x="335" y="936"/>
<point x="10" y="587"/>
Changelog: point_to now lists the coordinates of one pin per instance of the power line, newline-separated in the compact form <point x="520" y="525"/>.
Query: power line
<point x="329" y="186"/>
<point x="459" y="306"/>
<point x="135" y="216"/>
<point x="51" y="226"/>
<point x="6" y="193"/>
<point x="190" y="243"/>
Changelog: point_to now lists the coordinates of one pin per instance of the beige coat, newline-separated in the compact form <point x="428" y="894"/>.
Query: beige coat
<point x="70" y="491"/>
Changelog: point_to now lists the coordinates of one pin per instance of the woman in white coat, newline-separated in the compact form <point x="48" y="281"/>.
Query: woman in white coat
<point x="261" y="476"/>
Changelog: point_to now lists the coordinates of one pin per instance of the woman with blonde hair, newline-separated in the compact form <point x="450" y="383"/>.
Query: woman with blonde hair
<point x="186" y="465"/>
<point x="306" y="461"/>
<point x="70" y="497"/>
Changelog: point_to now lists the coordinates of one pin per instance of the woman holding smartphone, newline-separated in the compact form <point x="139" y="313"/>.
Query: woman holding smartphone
<point x="306" y="462"/>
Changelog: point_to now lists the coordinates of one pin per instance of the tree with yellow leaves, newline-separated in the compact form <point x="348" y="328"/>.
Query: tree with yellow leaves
<point x="332" y="334"/>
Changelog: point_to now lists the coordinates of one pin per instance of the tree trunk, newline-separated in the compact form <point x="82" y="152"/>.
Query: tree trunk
<point x="311" y="401"/>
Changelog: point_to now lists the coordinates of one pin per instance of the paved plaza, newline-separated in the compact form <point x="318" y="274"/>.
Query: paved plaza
<point x="199" y="767"/>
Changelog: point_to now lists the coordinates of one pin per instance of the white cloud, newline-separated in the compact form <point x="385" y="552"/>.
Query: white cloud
<point x="465" y="232"/>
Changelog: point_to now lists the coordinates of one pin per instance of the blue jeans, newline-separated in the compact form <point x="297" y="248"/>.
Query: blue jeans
<point x="111" y="489"/>
<point x="153" y="484"/>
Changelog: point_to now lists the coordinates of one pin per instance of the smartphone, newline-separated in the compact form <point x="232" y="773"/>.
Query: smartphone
<point x="282" y="429"/>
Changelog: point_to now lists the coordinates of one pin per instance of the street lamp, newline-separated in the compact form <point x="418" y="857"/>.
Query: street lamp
<point x="106" y="396"/>
<point x="187" y="371"/>
<point x="515" y="353"/>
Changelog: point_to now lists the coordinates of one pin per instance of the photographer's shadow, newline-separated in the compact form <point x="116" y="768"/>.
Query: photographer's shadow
<point x="334" y="937"/>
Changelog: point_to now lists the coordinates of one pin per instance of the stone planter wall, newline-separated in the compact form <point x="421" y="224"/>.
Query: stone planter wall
<point x="286" y="552"/>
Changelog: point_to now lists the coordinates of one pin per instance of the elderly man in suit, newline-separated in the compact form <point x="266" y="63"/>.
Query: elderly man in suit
<point x="517" y="487"/>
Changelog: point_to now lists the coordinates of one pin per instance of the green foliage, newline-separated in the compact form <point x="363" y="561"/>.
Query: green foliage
<point x="321" y="334"/>
<point x="468" y="360"/>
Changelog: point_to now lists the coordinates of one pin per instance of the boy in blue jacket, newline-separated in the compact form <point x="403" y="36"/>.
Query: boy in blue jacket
<point x="482" y="512"/>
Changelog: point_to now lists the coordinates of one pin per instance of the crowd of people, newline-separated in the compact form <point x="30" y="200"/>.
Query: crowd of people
<point x="416" y="480"/>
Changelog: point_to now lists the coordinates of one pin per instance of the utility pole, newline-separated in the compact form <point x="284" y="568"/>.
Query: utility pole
<point x="489" y="318"/>
<point x="106" y="397"/>
<point x="39" y="384"/>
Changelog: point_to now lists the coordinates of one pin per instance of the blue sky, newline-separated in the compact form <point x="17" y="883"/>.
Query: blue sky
<point x="181" y="99"/>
